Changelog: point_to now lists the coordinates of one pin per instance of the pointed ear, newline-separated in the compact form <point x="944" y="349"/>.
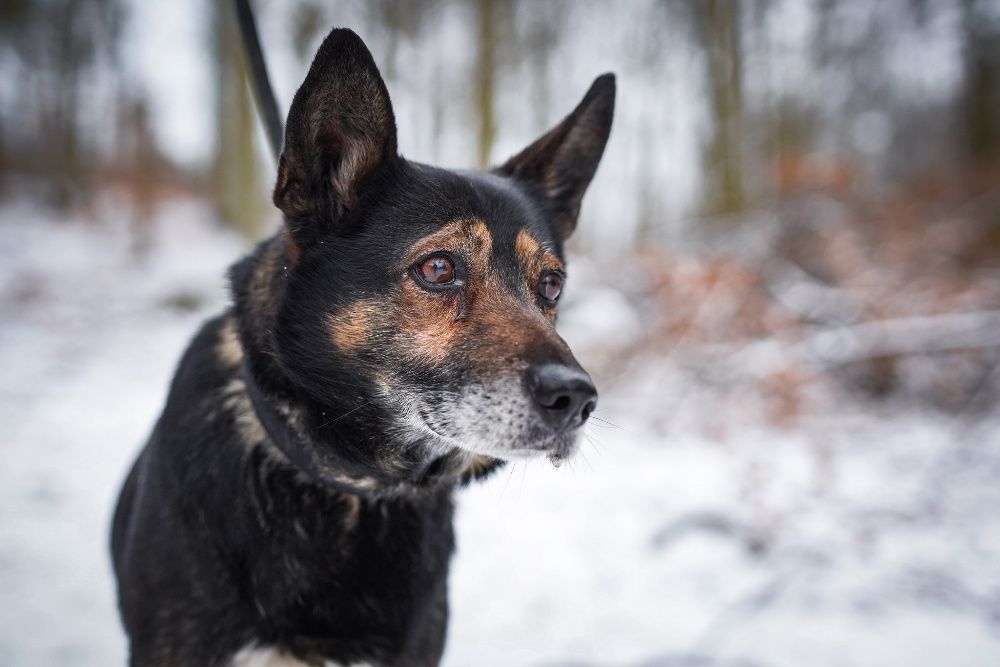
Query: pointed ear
<point x="340" y="130"/>
<point x="562" y="162"/>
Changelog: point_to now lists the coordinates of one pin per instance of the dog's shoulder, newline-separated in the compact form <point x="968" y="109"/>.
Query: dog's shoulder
<point x="208" y="393"/>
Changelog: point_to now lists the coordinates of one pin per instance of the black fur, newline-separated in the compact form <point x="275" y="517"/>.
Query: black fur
<point x="280" y="501"/>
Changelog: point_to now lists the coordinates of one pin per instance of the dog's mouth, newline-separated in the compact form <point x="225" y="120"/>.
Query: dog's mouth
<point x="447" y="428"/>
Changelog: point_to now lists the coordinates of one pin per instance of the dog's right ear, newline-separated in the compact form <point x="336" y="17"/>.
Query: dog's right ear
<point x="340" y="130"/>
<point x="561" y="164"/>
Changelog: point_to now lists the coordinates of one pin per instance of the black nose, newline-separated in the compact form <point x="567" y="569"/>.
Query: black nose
<point x="565" y="395"/>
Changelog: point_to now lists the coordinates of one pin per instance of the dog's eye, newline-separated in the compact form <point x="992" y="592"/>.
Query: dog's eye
<point x="436" y="270"/>
<point x="550" y="286"/>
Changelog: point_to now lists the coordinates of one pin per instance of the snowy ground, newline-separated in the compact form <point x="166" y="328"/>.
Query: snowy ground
<point x="867" y="538"/>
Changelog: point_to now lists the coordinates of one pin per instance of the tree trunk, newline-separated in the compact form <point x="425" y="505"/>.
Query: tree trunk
<point x="719" y="24"/>
<point x="981" y="99"/>
<point x="239" y="196"/>
<point x="484" y="77"/>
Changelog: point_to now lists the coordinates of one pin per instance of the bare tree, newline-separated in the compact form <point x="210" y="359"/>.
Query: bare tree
<point x="718" y="24"/>
<point x="981" y="99"/>
<point x="484" y="76"/>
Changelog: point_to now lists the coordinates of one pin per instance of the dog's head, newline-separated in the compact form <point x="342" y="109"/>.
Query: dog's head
<point x="427" y="293"/>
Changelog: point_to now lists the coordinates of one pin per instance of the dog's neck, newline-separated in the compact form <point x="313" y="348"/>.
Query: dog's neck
<point x="295" y="548"/>
<point x="257" y="284"/>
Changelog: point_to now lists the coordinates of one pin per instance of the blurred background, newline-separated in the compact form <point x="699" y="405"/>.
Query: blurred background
<point x="786" y="282"/>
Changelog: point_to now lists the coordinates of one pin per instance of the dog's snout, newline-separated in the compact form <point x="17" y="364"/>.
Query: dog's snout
<point x="565" y="395"/>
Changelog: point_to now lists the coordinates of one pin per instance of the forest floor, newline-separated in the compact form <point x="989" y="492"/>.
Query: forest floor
<point x="860" y="533"/>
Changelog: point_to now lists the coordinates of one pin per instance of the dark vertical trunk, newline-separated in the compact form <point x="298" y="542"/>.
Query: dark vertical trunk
<point x="719" y="24"/>
<point x="239" y="197"/>
<point x="484" y="77"/>
<point x="981" y="99"/>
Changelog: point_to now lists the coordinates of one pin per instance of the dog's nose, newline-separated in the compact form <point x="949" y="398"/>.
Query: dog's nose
<point x="565" y="395"/>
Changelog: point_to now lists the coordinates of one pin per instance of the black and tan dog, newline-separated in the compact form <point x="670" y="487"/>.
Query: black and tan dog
<point x="294" y="503"/>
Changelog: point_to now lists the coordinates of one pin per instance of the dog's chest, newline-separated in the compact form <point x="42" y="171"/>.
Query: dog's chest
<point x="254" y="656"/>
<point x="358" y="578"/>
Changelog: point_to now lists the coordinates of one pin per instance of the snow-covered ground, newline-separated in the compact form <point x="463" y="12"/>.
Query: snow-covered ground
<point x="858" y="537"/>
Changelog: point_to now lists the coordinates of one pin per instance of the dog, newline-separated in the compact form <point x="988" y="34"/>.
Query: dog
<point x="293" y="505"/>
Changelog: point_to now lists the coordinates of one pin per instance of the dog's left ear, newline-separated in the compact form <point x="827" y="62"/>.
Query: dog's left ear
<point x="561" y="164"/>
<point x="340" y="131"/>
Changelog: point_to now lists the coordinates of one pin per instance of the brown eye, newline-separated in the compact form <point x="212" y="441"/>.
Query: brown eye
<point x="436" y="270"/>
<point x="550" y="286"/>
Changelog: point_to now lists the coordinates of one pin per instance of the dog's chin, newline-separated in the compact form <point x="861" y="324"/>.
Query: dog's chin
<point x="480" y="423"/>
<point x="557" y="448"/>
<point x="532" y="443"/>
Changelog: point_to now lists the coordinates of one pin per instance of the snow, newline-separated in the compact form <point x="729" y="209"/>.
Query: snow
<point x="87" y="348"/>
<point x="860" y="535"/>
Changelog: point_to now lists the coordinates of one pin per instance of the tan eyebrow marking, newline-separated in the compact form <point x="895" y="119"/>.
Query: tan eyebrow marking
<point x="468" y="235"/>
<point x="533" y="256"/>
<point x="527" y="248"/>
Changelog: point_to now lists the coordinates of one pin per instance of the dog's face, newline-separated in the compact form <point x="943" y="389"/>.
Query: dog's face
<point x="428" y="293"/>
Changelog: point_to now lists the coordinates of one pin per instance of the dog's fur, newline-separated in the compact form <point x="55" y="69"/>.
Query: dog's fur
<point x="294" y="502"/>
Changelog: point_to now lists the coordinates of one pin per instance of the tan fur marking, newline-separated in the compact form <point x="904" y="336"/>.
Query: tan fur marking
<point x="483" y="321"/>
<point x="430" y="324"/>
<point x="351" y="327"/>
<point x="237" y="402"/>
<point x="364" y="483"/>
<point x="265" y="276"/>
<point x="479" y="465"/>
<point x="229" y="349"/>
<point x="534" y="257"/>
<point x="291" y="247"/>
<point x="432" y="327"/>
<point x="352" y="511"/>
<point x="527" y="249"/>
<point x="480" y="233"/>
<point x="426" y="322"/>
<point x="463" y="236"/>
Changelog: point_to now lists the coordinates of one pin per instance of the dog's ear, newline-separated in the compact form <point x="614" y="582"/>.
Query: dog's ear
<point x="340" y="130"/>
<point x="562" y="162"/>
